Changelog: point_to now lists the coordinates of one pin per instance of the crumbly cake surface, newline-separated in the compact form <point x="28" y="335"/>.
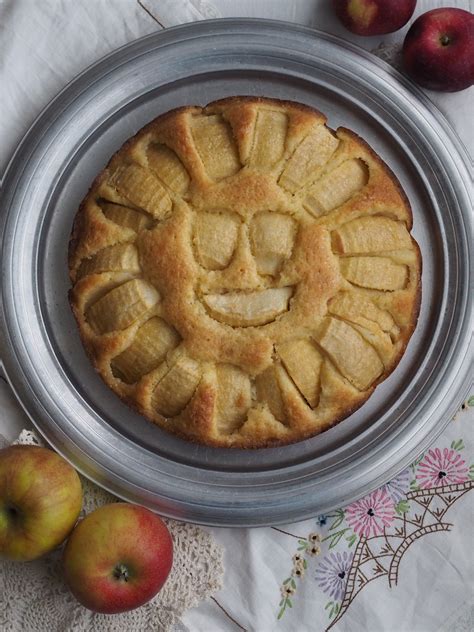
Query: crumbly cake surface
<point x="242" y="275"/>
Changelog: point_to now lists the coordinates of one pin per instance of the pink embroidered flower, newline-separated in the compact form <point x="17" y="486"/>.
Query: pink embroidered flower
<point x="370" y="515"/>
<point x="441" y="467"/>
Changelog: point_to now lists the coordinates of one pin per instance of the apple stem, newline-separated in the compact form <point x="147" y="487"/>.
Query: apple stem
<point x="121" y="572"/>
<point x="445" y="40"/>
<point x="13" y="512"/>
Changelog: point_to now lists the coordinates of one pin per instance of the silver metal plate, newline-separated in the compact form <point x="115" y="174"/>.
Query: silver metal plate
<point x="41" y="351"/>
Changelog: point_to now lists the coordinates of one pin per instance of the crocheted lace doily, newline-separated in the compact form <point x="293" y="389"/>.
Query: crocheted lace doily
<point x="34" y="598"/>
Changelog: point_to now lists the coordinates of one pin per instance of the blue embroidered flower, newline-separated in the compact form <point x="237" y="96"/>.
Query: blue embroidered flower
<point x="321" y="520"/>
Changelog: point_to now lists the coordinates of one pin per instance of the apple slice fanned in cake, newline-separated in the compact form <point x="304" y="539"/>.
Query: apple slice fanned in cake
<point x="336" y="187"/>
<point x="303" y="363"/>
<point x="269" y="138"/>
<point x="122" y="257"/>
<point x="143" y="189"/>
<point x="215" y="145"/>
<point x="152" y="341"/>
<point x="355" y="358"/>
<point x="268" y="390"/>
<point x="166" y="165"/>
<point x="127" y="217"/>
<point x="122" y="306"/>
<point x="309" y="158"/>
<point x="234" y="398"/>
<point x="360" y="309"/>
<point x="369" y="235"/>
<point x="177" y="380"/>
<point x="377" y="273"/>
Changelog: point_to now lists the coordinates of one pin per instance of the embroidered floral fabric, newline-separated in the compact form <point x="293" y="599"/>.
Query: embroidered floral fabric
<point x="368" y="539"/>
<point x="367" y="566"/>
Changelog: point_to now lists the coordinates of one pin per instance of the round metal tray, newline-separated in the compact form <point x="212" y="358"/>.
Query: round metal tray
<point x="43" y="357"/>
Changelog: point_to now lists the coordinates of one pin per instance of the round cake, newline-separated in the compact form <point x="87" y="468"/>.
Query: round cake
<point x="244" y="276"/>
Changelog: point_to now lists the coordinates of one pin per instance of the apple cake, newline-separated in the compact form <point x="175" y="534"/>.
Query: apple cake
<point x="242" y="275"/>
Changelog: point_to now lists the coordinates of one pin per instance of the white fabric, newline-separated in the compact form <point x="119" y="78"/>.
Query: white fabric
<point x="43" y="45"/>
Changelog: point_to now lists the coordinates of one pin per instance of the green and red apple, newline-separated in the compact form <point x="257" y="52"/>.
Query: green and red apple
<point x="374" y="17"/>
<point x="118" y="558"/>
<point x="438" y="51"/>
<point x="40" y="501"/>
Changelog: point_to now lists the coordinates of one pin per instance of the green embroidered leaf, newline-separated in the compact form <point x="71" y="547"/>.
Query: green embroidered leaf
<point x="288" y="579"/>
<point x="457" y="445"/>
<point x="328" y="605"/>
<point x="288" y="601"/>
<point x="471" y="472"/>
<point x="335" y="537"/>
<point x="337" y="607"/>
<point x="282" y="602"/>
<point x="333" y="611"/>
<point x="402" y="507"/>
<point x="351" y="539"/>
<point x="302" y="548"/>
<point x="470" y="401"/>
<point x="305" y="564"/>
<point x="416" y="461"/>
<point x="414" y="485"/>
<point x="303" y="542"/>
<point x="281" y="613"/>
<point x="293" y="583"/>
<point x="339" y="518"/>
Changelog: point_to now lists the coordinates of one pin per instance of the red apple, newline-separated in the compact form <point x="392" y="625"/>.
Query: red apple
<point x="374" y="17"/>
<point x="117" y="558"/>
<point x="40" y="501"/>
<point x="438" y="51"/>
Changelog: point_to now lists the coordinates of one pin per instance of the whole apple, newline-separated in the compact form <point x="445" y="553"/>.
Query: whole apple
<point x="40" y="501"/>
<point x="374" y="17"/>
<point x="438" y="51"/>
<point x="117" y="558"/>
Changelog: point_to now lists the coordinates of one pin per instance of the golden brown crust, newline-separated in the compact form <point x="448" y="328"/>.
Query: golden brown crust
<point x="243" y="276"/>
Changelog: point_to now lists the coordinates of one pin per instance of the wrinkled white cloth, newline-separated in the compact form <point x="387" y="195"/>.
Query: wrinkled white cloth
<point x="43" y="45"/>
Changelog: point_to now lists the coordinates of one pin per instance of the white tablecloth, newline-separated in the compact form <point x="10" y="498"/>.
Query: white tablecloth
<point x="44" y="45"/>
